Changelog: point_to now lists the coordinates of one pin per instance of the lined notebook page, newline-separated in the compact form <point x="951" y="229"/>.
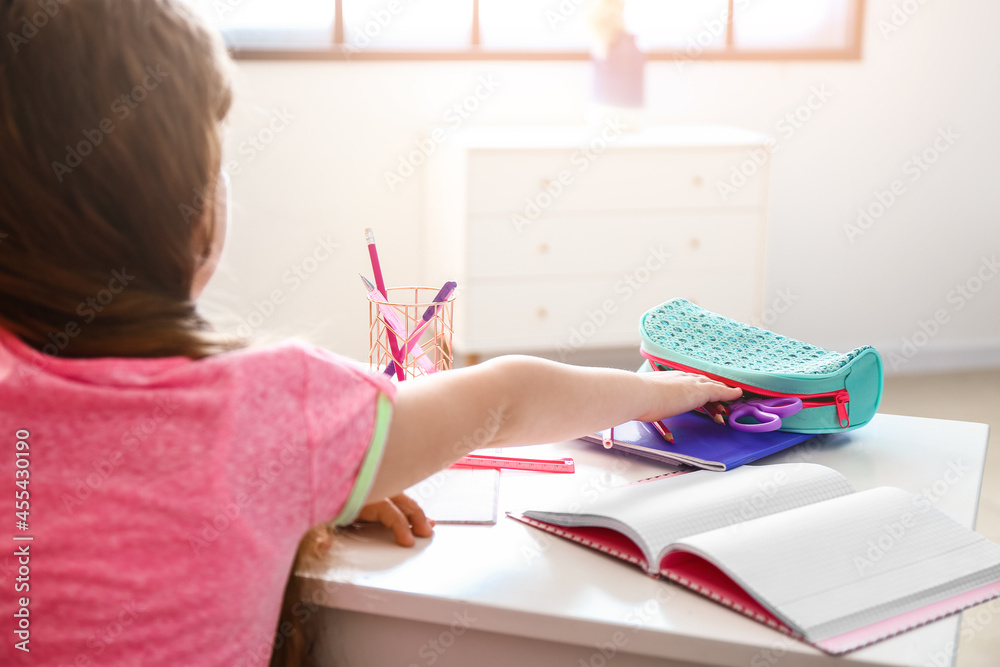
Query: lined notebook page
<point x="842" y="565"/>
<point x="655" y="514"/>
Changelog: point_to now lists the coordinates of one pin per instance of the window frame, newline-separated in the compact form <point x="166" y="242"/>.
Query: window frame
<point x="340" y="50"/>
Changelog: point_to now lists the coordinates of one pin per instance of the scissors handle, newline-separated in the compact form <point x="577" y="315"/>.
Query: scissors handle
<point x="767" y="412"/>
<point x="766" y="421"/>
<point x="783" y="406"/>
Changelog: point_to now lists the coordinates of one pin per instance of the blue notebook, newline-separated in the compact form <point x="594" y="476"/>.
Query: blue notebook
<point x="699" y="442"/>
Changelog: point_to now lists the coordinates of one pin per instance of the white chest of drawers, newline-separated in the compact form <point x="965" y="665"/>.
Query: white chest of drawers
<point x="560" y="238"/>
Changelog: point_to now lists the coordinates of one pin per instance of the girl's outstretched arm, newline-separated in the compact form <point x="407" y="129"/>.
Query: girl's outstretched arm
<point x="511" y="401"/>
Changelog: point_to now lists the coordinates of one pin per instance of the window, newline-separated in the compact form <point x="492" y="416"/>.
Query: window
<point x="534" y="29"/>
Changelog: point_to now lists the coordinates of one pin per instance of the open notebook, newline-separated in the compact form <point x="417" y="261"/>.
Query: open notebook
<point x="793" y="546"/>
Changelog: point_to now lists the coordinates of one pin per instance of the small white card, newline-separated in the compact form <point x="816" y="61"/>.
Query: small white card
<point x="459" y="495"/>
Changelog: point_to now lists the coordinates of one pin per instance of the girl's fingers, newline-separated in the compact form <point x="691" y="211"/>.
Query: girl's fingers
<point x="421" y="525"/>
<point x="688" y="391"/>
<point x="387" y="513"/>
<point x="390" y="516"/>
<point x="400" y="514"/>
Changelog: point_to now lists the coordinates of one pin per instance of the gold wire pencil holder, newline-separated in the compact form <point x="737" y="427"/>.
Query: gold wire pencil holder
<point x="424" y="345"/>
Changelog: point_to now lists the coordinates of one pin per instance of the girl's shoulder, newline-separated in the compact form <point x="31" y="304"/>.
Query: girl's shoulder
<point x="291" y="363"/>
<point x="297" y="360"/>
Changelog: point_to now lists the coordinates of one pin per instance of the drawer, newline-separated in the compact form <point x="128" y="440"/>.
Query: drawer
<point x="567" y="315"/>
<point x="528" y="182"/>
<point x="572" y="245"/>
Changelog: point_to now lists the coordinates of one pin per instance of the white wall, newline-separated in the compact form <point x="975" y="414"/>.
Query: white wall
<point x="323" y="175"/>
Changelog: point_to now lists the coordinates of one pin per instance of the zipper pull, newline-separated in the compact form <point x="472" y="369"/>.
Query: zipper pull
<point x="842" y="398"/>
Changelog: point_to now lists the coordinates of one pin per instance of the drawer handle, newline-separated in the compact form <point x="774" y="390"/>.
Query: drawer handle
<point x="543" y="248"/>
<point x="695" y="243"/>
<point x="545" y="183"/>
<point x="698" y="181"/>
<point x="542" y="313"/>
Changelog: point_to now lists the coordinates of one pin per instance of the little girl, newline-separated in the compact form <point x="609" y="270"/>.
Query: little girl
<point x="161" y="476"/>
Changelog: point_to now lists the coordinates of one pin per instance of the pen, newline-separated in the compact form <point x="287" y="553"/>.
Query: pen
<point x="380" y="285"/>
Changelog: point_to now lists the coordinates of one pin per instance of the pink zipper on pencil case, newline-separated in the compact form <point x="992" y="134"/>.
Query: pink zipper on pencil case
<point x="839" y="398"/>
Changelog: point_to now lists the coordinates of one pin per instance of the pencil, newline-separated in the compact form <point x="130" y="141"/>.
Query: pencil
<point x="662" y="429"/>
<point x="716" y="410"/>
<point x="380" y="284"/>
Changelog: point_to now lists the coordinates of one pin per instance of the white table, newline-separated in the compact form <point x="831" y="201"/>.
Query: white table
<point x="512" y="595"/>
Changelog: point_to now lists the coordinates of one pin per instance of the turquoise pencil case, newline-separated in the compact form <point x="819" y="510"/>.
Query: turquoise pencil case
<point x="839" y="391"/>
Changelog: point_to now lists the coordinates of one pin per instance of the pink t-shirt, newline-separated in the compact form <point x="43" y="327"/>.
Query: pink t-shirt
<point x="166" y="497"/>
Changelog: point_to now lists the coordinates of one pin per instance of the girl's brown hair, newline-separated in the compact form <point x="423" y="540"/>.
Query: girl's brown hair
<point x="110" y="116"/>
<point x="294" y="639"/>
<point x="110" y="137"/>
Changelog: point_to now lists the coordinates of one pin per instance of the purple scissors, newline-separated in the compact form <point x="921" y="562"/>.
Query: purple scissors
<point x="767" y="411"/>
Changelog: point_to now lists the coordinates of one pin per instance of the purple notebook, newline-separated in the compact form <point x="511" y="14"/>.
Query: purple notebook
<point x="699" y="442"/>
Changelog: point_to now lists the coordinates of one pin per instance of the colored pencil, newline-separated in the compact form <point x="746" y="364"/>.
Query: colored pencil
<point x="380" y="284"/>
<point x="662" y="429"/>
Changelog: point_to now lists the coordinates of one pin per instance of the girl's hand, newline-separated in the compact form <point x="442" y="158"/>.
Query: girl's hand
<point x="402" y="515"/>
<point x="674" y="392"/>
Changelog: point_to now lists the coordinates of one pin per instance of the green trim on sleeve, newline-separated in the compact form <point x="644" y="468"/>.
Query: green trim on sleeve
<point x="366" y="474"/>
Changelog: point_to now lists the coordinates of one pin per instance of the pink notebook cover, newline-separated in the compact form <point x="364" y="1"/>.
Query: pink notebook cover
<point x="703" y="577"/>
